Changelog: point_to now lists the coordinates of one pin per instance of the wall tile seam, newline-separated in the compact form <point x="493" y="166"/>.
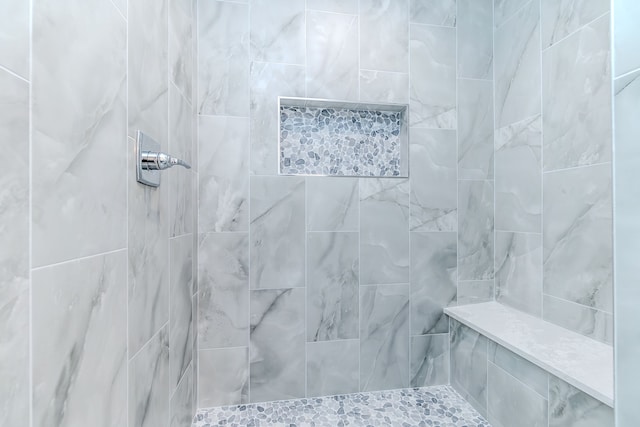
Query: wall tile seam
<point x="513" y="15"/>
<point x="593" y="165"/>
<point x="182" y="379"/>
<point x="221" y="115"/>
<point x="432" y="128"/>
<point x="520" y="121"/>
<point x="385" y="284"/>
<point x="181" y="236"/>
<point x="119" y="11"/>
<point x="14" y="74"/>
<point x="306" y="10"/>
<point x="547" y="374"/>
<point x="182" y="95"/>
<point x="476" y="180"/>
<point x="402" y="73"/>
<point x="80" y="259"/>
<point x="622" y="76"/>
<point x="576" y="31"/>
<point x="431" y="25"/>
<point x="528" y="233"/>
<point x="148" y="342"/>
<point x="544" y="294"/>
<point x="473" y="79"/>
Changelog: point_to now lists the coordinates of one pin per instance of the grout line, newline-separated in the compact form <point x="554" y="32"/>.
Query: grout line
<point x="541" y="168"/>
<point x="249" y="232"/>
<point x="79" y="259"/>
<point x="18" y="75"/>
<point x="128" y="243"/>
<point x="575" y="167"/>
<point x="576" y="304"/>
<point x="576" y="31"/>
<point x="512" y="16"/>
<point x="30" y="387"/>
<point x="625" y="75"/>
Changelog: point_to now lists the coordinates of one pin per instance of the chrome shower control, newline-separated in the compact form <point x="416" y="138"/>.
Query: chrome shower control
<point x="150" y="160"/>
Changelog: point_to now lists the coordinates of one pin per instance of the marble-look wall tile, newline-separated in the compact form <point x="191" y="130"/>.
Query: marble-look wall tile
<point x="505" y="9"/>
<point x="147" y="77"/>
<point x="223" y="171"/>
<point x="475" y="230"/>
<point x="181" y="47"/>
<point x="278" y="31"/>
<point x="475" y="291"/>
<point x="332" y="367"/>
<point x="584" y="320"/>
<point x="79" y="342"/>
<point x="433" y="281"/>
<point x="149" y="384"/>
<point x="518" y="260"/>
<point x="577" y="116"/>
<point x="517" y="66"/>
<point x="223" y="58"/>
<point x="511" y="403"/>
<point x="332" y="286"/>
<point x="559" y="18"/>
<point x="433" y="54"/>
<point x="429" y="360"/>
<point x="223" y="377"/>
<point x="14" y="250"/>
<point x="469" y="365"/>
<point x="338" y="6"/>
<point x="277" y="235"/>
<point x="223" y="276"/>
<point x="433" y="180"/>
<point x="76" y="126"/>
<point x="268" y="82"/>
<point x="384" y="231"/>
<point x="475" y="39"/>
<point x="627" y="244"/>
<point x="277" y="362"/>
<point x="332" y="204"/>
<point x="433" y="12"/>
<point x="626" y="40"/>
<point x="384" y="337"/>
<point x="14" y="36"/>
<point x="181" y="310"/>
<point x="332" y="56"/>
<point x="475" y="129"/>
<point x="182" y="405"/>
<point x="180" y="180"/>
<point x="533" y="377"/>
<point x="518" y="176"/>
<point x="569" y="407"/>
<point x="577" y="236"/>
<point x="384" y="35"/>
<point x="382" y="86"/>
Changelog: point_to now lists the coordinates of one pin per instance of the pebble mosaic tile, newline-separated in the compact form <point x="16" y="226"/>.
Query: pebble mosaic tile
<point x="430" y="406"/>
<point x="340" y="141"/>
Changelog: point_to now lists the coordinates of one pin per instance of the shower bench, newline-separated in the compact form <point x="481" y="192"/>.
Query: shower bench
<point x="584" y="364"/>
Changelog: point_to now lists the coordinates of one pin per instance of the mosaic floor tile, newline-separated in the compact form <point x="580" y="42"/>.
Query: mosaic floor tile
<point x="431" y="406"/>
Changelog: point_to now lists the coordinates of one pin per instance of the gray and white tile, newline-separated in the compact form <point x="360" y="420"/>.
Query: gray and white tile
<point x="181" y="333"/>
<point x="384" y="35"/>
<point x="475" y="230"/>
<point x="223" y="377"/>
<point x="277" y="238"/>
<point x="181" y="46"/>
<point x="469" y="365"/>
<point x="278" y="31"/>
<point x="384" y="86"/>
<point x="433" y="281"/>
<point x="337" y="6"/>
<point x="14" y="37"/>
<point x="475" y="129"/>
<point x="526" y="372"/>
<point x="332" y="204"/>
<point x="569" y="407"/>
<point x="475" y="39"/>
<point x="579" y="318"/>
<point x="433" y="12"/>
<point x="429" y="360"/>
<point x="475" y="291"/>
<point x="332" y="367"/>
<point x="506" y="9"/>
<point x="182" y="405"/>
<point x="332" y="286"/>
<point x="560" y="18"/>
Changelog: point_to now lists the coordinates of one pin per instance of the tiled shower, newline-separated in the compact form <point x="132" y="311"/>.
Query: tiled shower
<point x="233" y="284"/>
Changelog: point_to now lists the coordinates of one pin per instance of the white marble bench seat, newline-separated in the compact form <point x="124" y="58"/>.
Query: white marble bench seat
<point x="580" y="361"/>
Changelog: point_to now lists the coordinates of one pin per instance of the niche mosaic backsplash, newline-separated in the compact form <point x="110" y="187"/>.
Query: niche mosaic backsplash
<point x="347" y="139"/>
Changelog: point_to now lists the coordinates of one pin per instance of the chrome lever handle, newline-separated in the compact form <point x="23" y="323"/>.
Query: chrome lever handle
<point x="152" y="160"/>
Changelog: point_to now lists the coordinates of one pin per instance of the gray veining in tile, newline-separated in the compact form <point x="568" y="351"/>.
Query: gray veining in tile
<point x="429" y="360"/>
<point x="519" y="271"/>
<point x="576" y="94"/>
<point x="475" y="39"/>
<point x="278" y="31"/>
<point x="384" y="231"/>
<point x="518" y="176"/>
<point x="223" y="276"/>
<point x="627" y="54"/>
<point x="577" y="236"/>
<point x="433" y="281"/>
<point x="475" y="291"/>
<point x="569" y="407"/>
<point x="332" y="286"/>
<point x="579" y="318"/>
<point x="433" y="100"/>
<point x="277" y="344"/>
<point x="338" y="6"/>
<point x="181" y="47"/>
<point x="505" y="9"/>
<point x="384" y="337"/>
<point x="383" y="86"/>
<point x="384" y="35"/>
<point x="517" y="66"/>
<point x="79" y="342"/>
<point x="475" y="129"/>
<point x="223" y="58"/>
<point x="332" y="56"/>
<point x="469" y="365"/>
<point x="475" y="230"/>
<point x="332" y="367"/>
<point x="181" y="333"/>
<point x="182" y="405"/>
<point x="223" y="377"/>
<point x="332" y="204"/>
<point x="433" y="12"/>
<point x="14" y="36"/>
<point x="560" y="18"/>
<point x="521" y="369"/>
<point x="223" y="170"/>
<point x="433" y="179"/>
<point x="277" y="239"/>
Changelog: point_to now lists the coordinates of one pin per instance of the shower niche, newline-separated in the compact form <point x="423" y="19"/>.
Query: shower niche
<point x="339" y="138"/>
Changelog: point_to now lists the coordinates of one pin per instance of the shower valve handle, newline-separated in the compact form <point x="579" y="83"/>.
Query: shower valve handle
<point x="153" y="160"/>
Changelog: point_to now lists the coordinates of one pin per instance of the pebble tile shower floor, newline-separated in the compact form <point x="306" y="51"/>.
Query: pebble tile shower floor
<point x="432" y="406"/>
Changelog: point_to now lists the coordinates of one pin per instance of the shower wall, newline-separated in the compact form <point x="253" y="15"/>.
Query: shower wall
<point x="315" y="285"/>
<point x="96" y="271"/>
<point x="553" y="162"/>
